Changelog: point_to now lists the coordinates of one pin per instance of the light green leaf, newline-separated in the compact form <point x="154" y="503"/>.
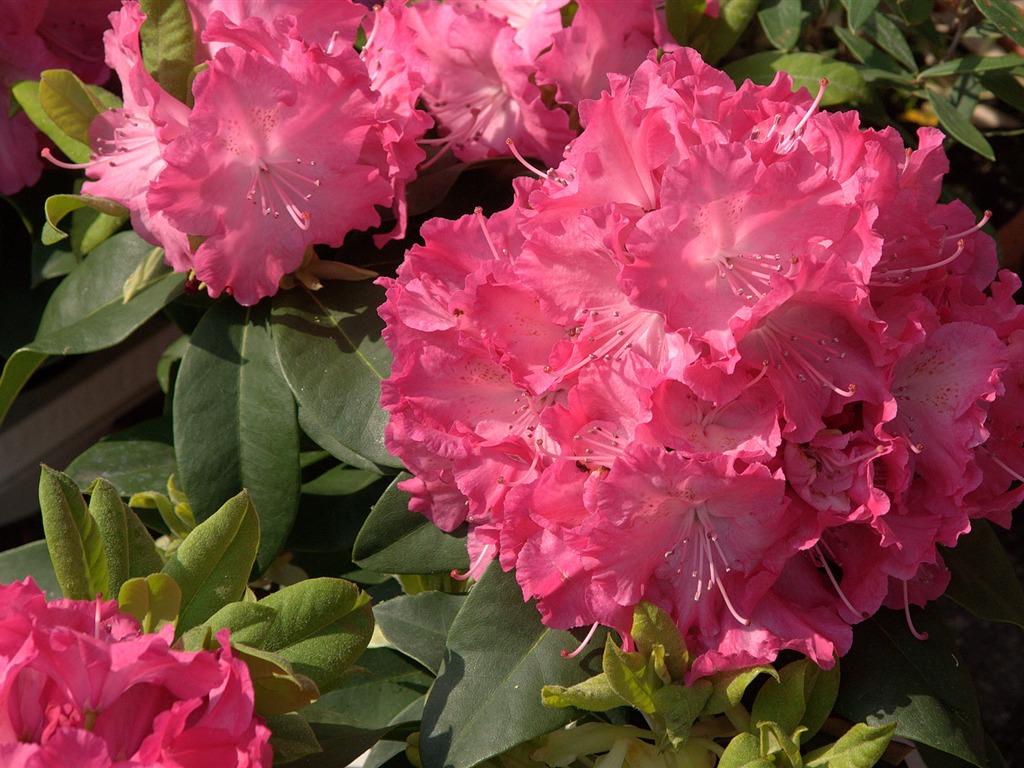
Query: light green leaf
<point x="652" y="626"/>
<point x="27" y="95"/>
<point x="154" y="600"/>
<point x="730" y="686"/>
<point x="234" y="422"/>
<point x="72" y="536"/>
<point x="632" y="676"/>
<point x="594" y="694"/>
<point x="958" y="126"/>
<point x="744" y="751"/>
<point x="69" y="103"/>
<point x="277" y="687"/>
<point x="168" y="44"/>
<point x="487" y="698"/>
<point x="680" y="705"/>
<point x="87" y="311"/>
<point x="860" y="747"/>
<point x="329" y="341"/>
<point x="395" y="540"/>
<point x="111" y="518"/>
<point x="212" y="565"/>
<point x="59" y="206"/>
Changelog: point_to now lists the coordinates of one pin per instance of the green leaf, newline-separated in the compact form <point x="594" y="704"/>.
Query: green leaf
<point x="801" y="696"/>
<point x="395" y="540"/>
<point x="781" y="21"/>
<point x="975" y="65"/>
<point x="320" y="626"/>
<point x="845" y="83"/>
<point x="277" y="687"/>
<point x="87" y="311"/>
<point x="923" y="686"/>
<point x="235" y="425"/>
<point x="111" y="517"/>
<point x="595" y="694"/>
<point x="151" y="268"/>
<point x="958" y="126"/>
<point x="72" y="536"/>
<point x="730" y="686"/>
<point x="744" y="751"/>
<point x="631" y="675"/>
<point x="858" y="11"/>
<point x="32" y="559"/>
<point x="291" y="737"/>
<point x="716" y="37"/>
<point x="984" y="580"/>
<point x="1007" y="17"/>
<point x="652" y="626"/>
<point x="871" y="57"/>
<point x="27" y="95"/>
<point x="682" y="16"/>
<point x="680" y="706"/>
<point x="59" y="206"/>
<point x="69" y="103"/>
<point x="417" y="625"/>
<point x="137" y="459"/>
<point x="860" y="747"/>
<point x="168" y="44"/>
<point x="776" y="740"/>
<point x="213" y="563"/>
<point x="890" y="39"/>
<point x="154" y="600"/>
<point x="340" y="481"/>
<point x="487" y="698"/>
<point x="328" y="342"/>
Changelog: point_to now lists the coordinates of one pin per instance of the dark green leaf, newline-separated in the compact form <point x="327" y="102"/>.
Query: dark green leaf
<point x="340" y="481"/>
<point x="168" y="44"/>
<point x="487" y="698"/>
<point x="890" y="39"/>
<point x="960" y="127"/>
<point x="291" y="737"/>
<point x="807" y="69"/>
<point x="870" y="56"/>
<point x="974" y="64"/>
<point x="417" y="625"/>
<point x="781" y="21"/>
<point x="340" y="743"/>
<point x="682" y="16"/>
<point x="716" y="37"/>
<point x="395" y="540"/>
<point x="984" y="580"/>
<point x="138" y="459"/>
<point x="235" y="425"/>
<point x="87" y="311"/>
<point x="1007" y="17"/>
<point x="32" y="559"/>
<point x="329" y="342"/>
<point x="213" y="563"/>
<point x="923" y="686"/>
<point x="858" y="11"/>
<point x="73" y="537"/>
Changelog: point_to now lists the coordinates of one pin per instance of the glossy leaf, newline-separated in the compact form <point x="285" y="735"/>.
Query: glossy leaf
<point x="1007" y="17"/>
<point x="781" y="21"/>
<point x="329" y="342"/>
<point x="140" y="458"/>
<point x="984" y="580"/>
<point x="213" y="563"/>
<point x="960" y="127"/>
<point x="487" y="697"/>
<point x="87" y="311"/>
<point x="418" y="625"/>
<point x="154" y="600"/>
<point x="869" y="55"/>
<point x="168" y="44"/>
<point x="923" y="686"/>
<point x="320" y="626"/>
<point x="59" y="206"/>
<point x="111" y="517"/>
<point x="858" y="11"/>
<point x="890" y="39"/>
<point x="716" y="37"/>
<point x="73" y="538"/>
<point x="32" y="559"/>
<point x="235" y="425"/>
<point x="395" y="540"/>
<point x="845" y="83"/>
<point x="340" y="481"/>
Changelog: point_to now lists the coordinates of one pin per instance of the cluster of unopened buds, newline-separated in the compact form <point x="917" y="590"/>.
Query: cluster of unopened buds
<point x="730" y="356"/>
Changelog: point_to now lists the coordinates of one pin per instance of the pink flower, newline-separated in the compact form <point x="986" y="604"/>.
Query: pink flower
<point x="79" y="684"/>
<point x="730" y="356"/>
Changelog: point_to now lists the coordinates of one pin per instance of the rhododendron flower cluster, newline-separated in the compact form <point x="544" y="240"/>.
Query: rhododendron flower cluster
<point x="80" y="685"/>
<point x="294" y="139"/>
<point x="731" y="357"/>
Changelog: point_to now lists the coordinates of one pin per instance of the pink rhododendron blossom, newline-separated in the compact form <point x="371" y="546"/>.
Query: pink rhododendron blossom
<point x="81" y="685"/>
<point x="730" y="356"/>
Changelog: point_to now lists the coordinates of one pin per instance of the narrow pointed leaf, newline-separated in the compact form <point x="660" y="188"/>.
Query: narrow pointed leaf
<point x="984" y="580"/>
<point x="595" y="694"/>
<point x="1007" y="17"/>
<point x="72" y="536"/>
<point x="960" y="127"/>
<point x="87" y="311"/>
<point x="330" y="342"/>
<point x="111" y="518"/>
<point x="143" y="557"/>
<point x="716" y="37"/>
<point x="890" y="39"/>
<point x="781" y="21"/>
<point x="923" y="686"/>
<point x="213" y="564"/>
<point x="487" y="698"/>
<point x="154" y="600"/>
<point x="235" y="425"/>
<point x="418" y="625"/>
<point x="651" y="626"/>
<point x="168" y="44"/>
<point x="631" y="676"/>
<point x="858" y="11"/>
<point x="395" y="540"/>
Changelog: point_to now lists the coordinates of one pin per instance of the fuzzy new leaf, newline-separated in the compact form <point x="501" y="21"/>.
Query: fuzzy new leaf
<point x="154" y="600"/>
<point x="73" y="538"/>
